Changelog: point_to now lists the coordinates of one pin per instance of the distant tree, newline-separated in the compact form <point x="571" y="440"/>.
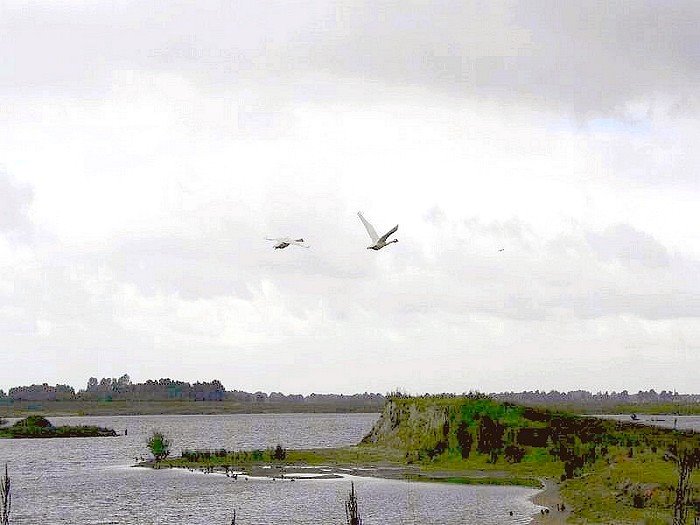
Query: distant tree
<point x="124" y="381"/>
<point x="92" y="384"/>
<point x="159" y="445"/>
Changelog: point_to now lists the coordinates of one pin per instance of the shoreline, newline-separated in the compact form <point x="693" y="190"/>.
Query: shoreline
<point x="20" y="409"/>
<point x="549" y="498"/>
<point x="399" y="473"/>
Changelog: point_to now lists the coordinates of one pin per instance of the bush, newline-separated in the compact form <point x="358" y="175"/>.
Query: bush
<point x="465" y="439"/>
<point x="34" y="421"/>
<point x="490" y="436"/>
<point x="159" y="446"/>
<point x="279" y="453"/>
<point x="514" y="454"/>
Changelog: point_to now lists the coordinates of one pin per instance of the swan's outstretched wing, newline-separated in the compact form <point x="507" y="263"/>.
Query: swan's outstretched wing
<point x="298" y="242"/>
<point x="370" y="229"/>
<point x="387" y="234"/>
<point x="278" y="239"/>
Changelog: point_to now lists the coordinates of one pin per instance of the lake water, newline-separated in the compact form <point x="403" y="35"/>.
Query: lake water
<point x="86" y="481"/>
<point x="680" y="422"/>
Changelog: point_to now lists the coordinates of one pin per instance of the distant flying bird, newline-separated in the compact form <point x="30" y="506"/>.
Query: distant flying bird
<point x="501" y="249"/>
<point x="379" y="242"/>
<point x="283" y="242"/>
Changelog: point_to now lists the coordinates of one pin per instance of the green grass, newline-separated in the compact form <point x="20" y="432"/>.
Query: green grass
<point x="604" y="493"/>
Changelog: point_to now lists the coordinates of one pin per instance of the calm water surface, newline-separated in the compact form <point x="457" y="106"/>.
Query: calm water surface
<point x="83" y="481"/>
<point x="680" y="422"/>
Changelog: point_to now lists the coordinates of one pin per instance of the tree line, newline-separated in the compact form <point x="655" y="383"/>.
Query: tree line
<point x="166" y="389"/>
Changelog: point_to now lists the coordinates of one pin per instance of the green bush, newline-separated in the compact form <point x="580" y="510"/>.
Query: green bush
<point x="159" y="445"/>
<point x="34" y="421"/>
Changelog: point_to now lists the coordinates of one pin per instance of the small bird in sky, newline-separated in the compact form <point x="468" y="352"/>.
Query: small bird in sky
<point x="282" y="242"/>
<point x="378" y="242"/>
<point x="501" y="249"/>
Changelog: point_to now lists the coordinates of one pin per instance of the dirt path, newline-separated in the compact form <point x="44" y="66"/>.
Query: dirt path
<point x="550" y="498"/>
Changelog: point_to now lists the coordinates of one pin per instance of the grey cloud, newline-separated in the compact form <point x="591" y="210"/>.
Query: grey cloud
<point x="583" y="57"/>
<point x="205" y="266"/>
<point x="435" y="216"/>
<point x="627" y="245"/>
<point x="654" y="306"/>
<point x="621" y="271"/>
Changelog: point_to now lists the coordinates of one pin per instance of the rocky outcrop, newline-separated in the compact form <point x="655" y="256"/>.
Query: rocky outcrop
<point x="410" y="426"/>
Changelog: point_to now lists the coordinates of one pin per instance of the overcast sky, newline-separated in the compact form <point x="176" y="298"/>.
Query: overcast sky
<point x="148" y="148"/>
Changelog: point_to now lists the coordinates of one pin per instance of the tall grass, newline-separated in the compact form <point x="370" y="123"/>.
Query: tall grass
<point x="5" y="498"/>
<point x="352" y="513"/>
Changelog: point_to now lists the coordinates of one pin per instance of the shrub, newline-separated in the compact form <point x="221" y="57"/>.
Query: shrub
<point x="159" y="446"/>
<point x="34" y="421"/>
<point x="490" y="438"/>
<point x="279" y="453"/>
<point x="465" y="439"/>
<point x="514" y="454"/>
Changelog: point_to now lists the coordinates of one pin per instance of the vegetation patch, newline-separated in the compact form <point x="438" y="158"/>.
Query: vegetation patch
<point x="40" y="427"/>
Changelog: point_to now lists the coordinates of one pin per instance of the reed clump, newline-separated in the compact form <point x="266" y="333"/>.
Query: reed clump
<point x="5" y="498"/>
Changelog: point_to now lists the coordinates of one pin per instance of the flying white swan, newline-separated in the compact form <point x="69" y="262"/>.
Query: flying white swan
<point x="379" y="242"/>
<point x="283" y="242"/>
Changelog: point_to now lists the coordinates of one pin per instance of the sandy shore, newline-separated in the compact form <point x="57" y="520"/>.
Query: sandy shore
<point x="550" y="498"/>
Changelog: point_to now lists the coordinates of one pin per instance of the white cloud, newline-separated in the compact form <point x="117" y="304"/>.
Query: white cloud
<point x="15" y="201"/>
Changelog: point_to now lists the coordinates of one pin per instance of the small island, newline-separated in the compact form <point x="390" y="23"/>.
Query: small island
<point x="40" y="427"/>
